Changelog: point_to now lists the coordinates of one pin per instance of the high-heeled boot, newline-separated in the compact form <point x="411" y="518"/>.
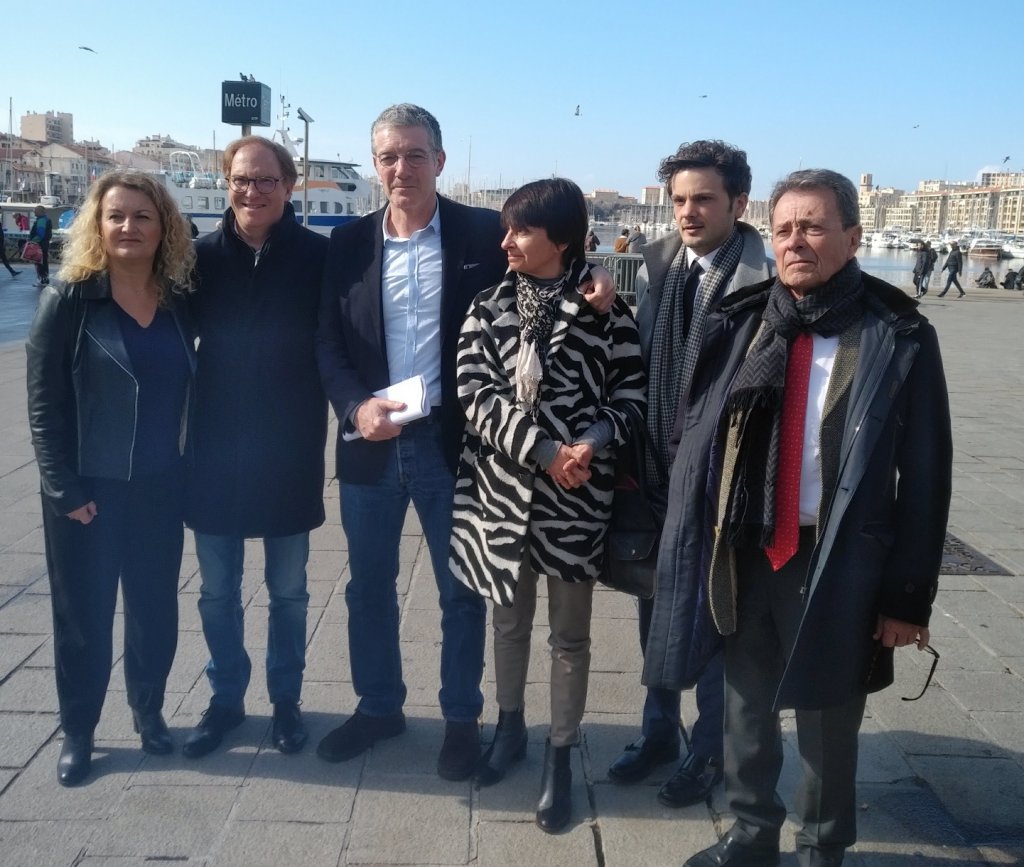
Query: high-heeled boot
<point x="75" y="760"/>
<point x="554" y="809"/>
<point x="508" y="746"/>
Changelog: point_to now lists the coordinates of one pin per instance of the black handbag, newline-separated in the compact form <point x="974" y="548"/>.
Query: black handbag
<point x="631" y="544"/>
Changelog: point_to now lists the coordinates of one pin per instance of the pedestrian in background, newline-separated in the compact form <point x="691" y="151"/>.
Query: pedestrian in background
<point x="41" y="232"/>
<point x="955" y="266"/>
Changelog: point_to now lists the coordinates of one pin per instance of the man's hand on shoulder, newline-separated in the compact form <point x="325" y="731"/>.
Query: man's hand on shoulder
<point x="372" y="420"/>
<point x="600" y="292"/>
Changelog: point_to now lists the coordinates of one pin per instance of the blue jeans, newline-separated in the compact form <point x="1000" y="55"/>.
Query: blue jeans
<point x="220" y="607"/>
<point x="372" y="516"/>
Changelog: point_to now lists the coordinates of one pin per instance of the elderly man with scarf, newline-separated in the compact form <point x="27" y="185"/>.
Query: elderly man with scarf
<point x="818" y="517"/>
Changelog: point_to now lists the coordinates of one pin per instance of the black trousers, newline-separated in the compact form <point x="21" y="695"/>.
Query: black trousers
<point x="136" y="537"/>
<point x="769" y="610"/>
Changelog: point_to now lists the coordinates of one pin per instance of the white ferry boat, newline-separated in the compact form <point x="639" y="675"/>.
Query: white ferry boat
<point x="334" y="191"/>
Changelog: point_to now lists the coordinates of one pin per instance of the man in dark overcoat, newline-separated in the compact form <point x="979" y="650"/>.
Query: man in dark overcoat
<point x="260" y="434"/>
<point x="712" y="254"/>
<point x="828" y="491"/>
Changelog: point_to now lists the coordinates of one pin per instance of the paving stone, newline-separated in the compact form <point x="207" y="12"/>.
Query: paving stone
<point x="15" y="650"/>
<point x="637" y="831"/>
<point x="392" y="812"/>
<point x="505" y="843"/>
<point x="43" y="844"/>
<point x="260" y="844"/>
<point x="164" y="822"/>
<point x="29" y="689"/>
<point x="26" y="614"/>
<point x="22" y="735"/>
<point x="35" y="795"/>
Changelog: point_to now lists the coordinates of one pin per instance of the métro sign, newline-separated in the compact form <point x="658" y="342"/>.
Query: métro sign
<point x="245" y="102"/>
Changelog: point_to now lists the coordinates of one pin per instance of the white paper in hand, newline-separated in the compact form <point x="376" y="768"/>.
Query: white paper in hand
<point x="412" y="392"/>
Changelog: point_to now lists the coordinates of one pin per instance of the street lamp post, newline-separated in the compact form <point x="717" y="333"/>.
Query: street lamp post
<point x="307" y="120"/>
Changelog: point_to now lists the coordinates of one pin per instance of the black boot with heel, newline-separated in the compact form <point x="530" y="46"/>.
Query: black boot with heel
<point x="554" y="809"/>
<point x="508" y="746"/>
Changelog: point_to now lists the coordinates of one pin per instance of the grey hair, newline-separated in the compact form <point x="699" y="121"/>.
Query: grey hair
<point x="407" y="114"/>
<point x="820" y="179"/>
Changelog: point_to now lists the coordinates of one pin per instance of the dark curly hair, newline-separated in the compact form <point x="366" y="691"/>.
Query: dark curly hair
<point x="730" y="162"/>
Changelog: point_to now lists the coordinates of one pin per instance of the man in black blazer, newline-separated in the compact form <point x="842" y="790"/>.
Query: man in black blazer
<point x="397" y="286"/>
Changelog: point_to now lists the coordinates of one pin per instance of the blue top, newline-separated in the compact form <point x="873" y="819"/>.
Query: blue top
<point x="160" y="367"/>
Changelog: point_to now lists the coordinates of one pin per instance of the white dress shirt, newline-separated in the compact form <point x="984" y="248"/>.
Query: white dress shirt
<point x="411" y="278"/>
<point x="823" y="356"/>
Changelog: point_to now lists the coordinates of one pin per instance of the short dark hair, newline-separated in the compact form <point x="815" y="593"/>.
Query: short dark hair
<point x="407" y="114"/>
<point x="730" y="162"/>
<point x="555" y="205"/>
<point x="820" y="179"/>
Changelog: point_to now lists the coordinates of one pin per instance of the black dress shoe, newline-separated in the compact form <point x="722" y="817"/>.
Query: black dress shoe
<point x="357" y="734"/>
<point x="75" y="760"/>
<point x="691" y="783"/>
<point x="288" y="733"/>
<point x="460" y="752"/>
<point x="217" y="721"/>
<point x="554" y="809"/>
<point x="640" y="758"/>
<point x="150" y="725"/>
<point x="736" y="850"/>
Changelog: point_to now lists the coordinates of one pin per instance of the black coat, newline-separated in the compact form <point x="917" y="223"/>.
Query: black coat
<point x="880" y="546"/>
<point x="350" y="341"/>
<point x="261" y="414"/>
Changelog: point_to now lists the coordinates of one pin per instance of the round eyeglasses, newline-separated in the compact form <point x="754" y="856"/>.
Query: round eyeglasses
<point x="240" y="183"/>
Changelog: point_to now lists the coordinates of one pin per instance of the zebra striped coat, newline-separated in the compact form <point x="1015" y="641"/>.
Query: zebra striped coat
<point x="504" y="501"/>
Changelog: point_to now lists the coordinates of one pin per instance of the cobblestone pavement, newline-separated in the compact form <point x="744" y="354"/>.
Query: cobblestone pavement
<point x="941" y="780"/>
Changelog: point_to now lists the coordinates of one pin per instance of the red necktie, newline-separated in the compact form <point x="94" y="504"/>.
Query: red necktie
<point x="791" y="450"/>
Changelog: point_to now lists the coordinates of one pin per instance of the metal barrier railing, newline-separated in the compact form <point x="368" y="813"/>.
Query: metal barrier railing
<point x="623" y="268"/>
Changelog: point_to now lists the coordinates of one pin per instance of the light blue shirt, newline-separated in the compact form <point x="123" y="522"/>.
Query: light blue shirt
<point x="411" y="280"/>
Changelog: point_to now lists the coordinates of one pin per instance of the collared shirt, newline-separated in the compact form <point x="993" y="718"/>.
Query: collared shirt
<point x="411" y="290"/>
<point x="823" y="356"/>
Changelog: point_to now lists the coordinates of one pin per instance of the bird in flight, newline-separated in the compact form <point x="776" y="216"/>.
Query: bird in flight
<point x="1005" y="160"/>
<point x="87" y="48"/>
<point x="916" y="125"/>
<point x="703" y="96"/>
<point x="577" y="111"/>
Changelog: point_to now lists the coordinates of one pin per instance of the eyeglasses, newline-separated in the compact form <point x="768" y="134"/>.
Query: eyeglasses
<point x="413" y="159"/>
<point x="240" y="183"/>
<point x="935" y="661"/>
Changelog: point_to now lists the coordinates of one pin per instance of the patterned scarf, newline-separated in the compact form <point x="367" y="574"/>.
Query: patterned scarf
<point x="673" y="361"/>
<point x="754" y="405"/>
<point x="537" y="302"/>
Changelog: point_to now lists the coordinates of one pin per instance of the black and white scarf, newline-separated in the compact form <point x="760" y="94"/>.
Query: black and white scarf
<point x="537" y="302"/>
<point x="754" y="405"/>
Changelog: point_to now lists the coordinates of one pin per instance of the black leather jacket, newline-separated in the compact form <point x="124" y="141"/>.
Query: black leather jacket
<point x="82" y="395"/>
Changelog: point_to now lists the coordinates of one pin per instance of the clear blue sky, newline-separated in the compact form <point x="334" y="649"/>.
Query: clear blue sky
<point x="904" y="89"/>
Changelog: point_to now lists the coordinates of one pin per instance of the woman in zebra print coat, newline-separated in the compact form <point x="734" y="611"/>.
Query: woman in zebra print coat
<point x="545" y="381"/>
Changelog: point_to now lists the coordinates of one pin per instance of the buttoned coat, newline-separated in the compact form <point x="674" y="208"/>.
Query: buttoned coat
<point x="879" y="547"/>
<point x="350" y="347"/>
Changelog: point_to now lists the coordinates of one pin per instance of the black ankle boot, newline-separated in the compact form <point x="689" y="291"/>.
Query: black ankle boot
<point x="554" y="809"/>
<point x="508" y="746"/>
<point x="75" y="760"/>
